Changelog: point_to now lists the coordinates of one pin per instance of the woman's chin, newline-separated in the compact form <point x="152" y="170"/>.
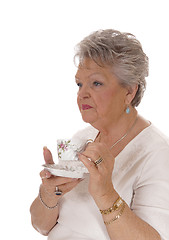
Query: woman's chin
<point x="88" y="119"/>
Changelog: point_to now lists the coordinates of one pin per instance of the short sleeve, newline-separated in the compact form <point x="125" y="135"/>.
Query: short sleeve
<point x="151" y="192"/>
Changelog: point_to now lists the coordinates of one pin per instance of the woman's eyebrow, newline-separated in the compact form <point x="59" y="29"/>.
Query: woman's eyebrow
<point x="98" y="74"/>
<point x="91" y="75"/>
<point x="95" y="73"/>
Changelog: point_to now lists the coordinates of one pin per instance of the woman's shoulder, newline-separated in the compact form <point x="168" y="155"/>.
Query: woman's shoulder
<point x="154" y="158"/>
<point x="150" y="147"/>
<point x="153" y="147"/>
<point x="152" y="138"/>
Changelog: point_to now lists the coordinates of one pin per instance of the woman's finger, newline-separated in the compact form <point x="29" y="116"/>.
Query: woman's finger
<point x="45" y="174"/>
<point x="64" y="188"/>
<point x="95" y="151"/>
<point x="47" y="156"/>
<point x="89" y="164"/>
<point x="54" y="180"/>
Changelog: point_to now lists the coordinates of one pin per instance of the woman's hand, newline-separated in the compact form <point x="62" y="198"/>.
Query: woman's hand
<point x="100" y="184"/>
<point x="50" y="182"/>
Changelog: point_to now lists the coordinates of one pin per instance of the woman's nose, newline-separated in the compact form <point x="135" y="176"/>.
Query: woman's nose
<point x="84" y="92"/>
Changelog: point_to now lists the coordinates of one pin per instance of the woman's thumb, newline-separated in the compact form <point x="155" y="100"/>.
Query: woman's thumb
<point x="47" y="156"/>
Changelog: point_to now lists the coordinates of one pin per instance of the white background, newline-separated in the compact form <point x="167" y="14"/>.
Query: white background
<point x="37" y="89"/>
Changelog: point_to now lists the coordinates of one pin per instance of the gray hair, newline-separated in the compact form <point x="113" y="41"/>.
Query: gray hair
<point x="122" y="52"/>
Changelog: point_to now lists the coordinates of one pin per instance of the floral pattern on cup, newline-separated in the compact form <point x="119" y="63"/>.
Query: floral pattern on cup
<point x="62" y="147"/>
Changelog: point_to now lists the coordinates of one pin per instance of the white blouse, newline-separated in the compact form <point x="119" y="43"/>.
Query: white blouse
<point x="141" y="178"/>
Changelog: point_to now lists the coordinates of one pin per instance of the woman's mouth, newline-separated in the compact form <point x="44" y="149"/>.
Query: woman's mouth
<point x="85" y="107"/>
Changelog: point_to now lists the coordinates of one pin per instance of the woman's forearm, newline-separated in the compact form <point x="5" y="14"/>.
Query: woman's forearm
<point x="129" y="226"/>
<point x="124" y="224"/>
<point x="43" y="218"/>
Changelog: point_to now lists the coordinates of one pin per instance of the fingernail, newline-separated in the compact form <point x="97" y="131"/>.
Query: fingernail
<point x="48" y="174"/>
<point x="44" y="147"/>
<point x="43" y="177"/>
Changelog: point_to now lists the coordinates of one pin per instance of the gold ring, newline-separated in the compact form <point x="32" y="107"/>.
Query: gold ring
<point x="98" y="161"/>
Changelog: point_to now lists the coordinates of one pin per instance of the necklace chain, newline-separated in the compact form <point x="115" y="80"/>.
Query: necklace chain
<point x="125" y="135"/>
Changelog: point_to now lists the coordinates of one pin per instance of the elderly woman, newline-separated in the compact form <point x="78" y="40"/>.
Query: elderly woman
<point x="126" y="196"/>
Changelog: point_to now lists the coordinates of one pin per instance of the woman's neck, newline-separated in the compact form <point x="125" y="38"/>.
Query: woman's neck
<point x="110" y="129"/>
<point x="132" y="125"/>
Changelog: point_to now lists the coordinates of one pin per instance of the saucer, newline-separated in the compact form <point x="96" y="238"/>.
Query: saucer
<point x="58" y="170"/>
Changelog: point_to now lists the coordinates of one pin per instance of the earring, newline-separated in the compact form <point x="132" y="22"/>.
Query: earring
<point x="128" y="110"/>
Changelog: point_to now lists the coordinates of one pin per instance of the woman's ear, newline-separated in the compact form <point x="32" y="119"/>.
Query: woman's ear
<point x="131" y="92"/>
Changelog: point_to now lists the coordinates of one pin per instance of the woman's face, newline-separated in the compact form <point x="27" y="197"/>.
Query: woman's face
<point x="101" y="99"/>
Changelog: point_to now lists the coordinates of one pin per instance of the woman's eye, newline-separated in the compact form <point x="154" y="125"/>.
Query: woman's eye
<point x="97" y="83"/>
<point x="79" y="85"/>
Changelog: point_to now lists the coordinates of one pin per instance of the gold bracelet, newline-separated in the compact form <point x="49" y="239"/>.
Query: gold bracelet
<point x="118" y="216"/>
<point x="115" y="207"/>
